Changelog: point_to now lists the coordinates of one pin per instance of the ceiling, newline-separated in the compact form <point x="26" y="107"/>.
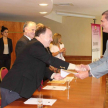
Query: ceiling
<point x="25" y="9"/>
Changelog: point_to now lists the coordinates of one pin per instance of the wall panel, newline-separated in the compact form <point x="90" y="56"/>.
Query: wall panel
<point x="78" y="59"/>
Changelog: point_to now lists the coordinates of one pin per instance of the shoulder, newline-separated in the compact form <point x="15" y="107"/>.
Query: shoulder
<point x="35" y="42"/>
<point x="23" y="39"/>
<point x="35" y="47"/>
<point x="1" y="38"/>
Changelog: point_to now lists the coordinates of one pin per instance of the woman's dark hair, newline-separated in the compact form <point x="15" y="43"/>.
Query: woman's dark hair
<point x="3" y="29"/>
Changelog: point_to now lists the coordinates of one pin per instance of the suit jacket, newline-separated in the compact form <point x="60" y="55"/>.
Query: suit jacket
<point x="29" y="69"/>
<point x="22" y="42"/>
<point x="100" y="67"/>
<point x="10" y="47"/>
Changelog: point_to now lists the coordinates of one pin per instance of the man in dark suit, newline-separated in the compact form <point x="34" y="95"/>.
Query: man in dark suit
<point x="29" y="33"/>
<point x="29" y="68"/>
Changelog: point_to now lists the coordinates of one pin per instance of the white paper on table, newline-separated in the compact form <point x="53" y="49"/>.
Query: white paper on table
<point x="65" y="79"/>
<point x="34" y="101"/>
<point x="64" y="73"/>
<point x="55" y="87"/>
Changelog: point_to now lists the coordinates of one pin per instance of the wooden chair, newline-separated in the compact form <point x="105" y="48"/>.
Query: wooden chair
<point x="3" y="72"/>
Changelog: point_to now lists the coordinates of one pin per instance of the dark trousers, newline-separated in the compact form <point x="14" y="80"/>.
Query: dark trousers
<point x="5" y="61"/>
<point x="8" y="96"/>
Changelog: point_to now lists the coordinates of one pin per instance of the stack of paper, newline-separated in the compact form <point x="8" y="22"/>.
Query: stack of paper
<point x="34" y="101"/>
<point x="55" y="87"/>
<point x="61" y="81"/>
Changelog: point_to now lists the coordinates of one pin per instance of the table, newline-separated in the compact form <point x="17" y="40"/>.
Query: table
<point x="87" y="93"/>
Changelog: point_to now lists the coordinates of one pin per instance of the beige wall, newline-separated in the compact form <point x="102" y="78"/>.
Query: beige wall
<point x="76" y="33"/>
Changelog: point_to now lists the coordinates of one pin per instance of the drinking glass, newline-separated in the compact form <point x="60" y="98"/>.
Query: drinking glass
<point x="40" y="101"/>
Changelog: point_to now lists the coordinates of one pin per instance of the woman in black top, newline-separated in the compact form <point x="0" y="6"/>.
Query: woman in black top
<point x="5" y="48"/>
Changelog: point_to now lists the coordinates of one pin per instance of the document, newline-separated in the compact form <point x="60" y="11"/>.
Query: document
<point x="64" y="73"/>
<point x="55" y="87"/>
<point x="61" y="81"/>
<point x="34" y="101"/>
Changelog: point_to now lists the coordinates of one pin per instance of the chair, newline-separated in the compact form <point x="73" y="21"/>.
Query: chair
<point x="3" y="72"/>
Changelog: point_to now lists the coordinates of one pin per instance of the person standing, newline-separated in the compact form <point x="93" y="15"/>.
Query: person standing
<point x="57" y="47"/>
<point x="29" y="33"/>
<point x="6" y="48"/>
<point x="100" y="67"/>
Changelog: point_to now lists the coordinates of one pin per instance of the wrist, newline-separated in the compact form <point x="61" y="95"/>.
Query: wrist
<point x="88" y="68"/>
<point x="89" y="73"/>
<point x="52" y="76"/>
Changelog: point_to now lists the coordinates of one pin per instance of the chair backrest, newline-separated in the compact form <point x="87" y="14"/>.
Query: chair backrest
<point x="3" y="72"/>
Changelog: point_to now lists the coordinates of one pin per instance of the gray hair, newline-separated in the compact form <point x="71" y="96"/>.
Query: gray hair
<point x="26" y="24"/>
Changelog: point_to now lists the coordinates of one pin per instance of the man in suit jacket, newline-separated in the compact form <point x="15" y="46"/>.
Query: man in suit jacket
<point x="29" y="68"/>
<point x="29" y="33"/>
<point x="100" y="67"/>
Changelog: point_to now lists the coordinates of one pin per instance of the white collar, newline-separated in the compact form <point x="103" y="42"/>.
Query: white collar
<point x="28" y="37"/>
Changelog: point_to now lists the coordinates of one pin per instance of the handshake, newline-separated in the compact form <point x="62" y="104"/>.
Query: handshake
<point x="83" y="71"/>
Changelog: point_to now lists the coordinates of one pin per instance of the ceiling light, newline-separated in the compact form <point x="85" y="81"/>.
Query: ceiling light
<point x="76" y="15"/>
<point x="42" y="12"/>
<point x="43" y="4"/>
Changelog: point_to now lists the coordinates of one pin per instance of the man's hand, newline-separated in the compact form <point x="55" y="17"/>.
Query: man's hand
<point x="82" y="67"/>
<point x="82" y="74"/>
<point x="57" y="76"/>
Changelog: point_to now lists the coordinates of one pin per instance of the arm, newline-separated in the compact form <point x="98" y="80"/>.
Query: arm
<point x="11" y="46"/>
<point x="100" y="69"/>
<point x="55" y="50"/>
<point x="98" y="63"/>
<point x="64" y="52"/>
<point x="60" y="51"/>
<point x="55" y="53"/>
<point x="51" y="75"/>
<point x="96" y="69"/>
<point x="38" y="51"/>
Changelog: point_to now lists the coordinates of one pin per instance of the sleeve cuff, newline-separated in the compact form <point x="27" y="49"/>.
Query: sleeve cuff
<point x="90" y="74"/>
<point x="52" y="76"/>
<point x="71" y="66"/>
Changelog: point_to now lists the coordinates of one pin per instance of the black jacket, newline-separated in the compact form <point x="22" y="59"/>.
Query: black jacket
<point x="10" y="47"/>
<point x="30" y="68"/>
<point x="22" y="42"/>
